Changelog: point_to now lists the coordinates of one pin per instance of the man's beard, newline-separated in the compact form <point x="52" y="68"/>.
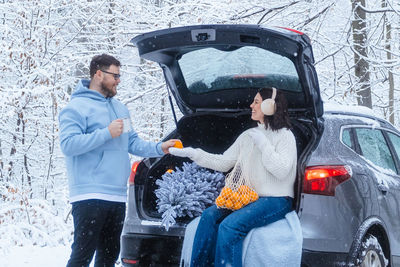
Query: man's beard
<point x="107" y="91"/>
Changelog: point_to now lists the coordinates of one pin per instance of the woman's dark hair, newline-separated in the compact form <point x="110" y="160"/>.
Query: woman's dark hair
<point x="280" y="119"/>
<point x="102" y="62"/>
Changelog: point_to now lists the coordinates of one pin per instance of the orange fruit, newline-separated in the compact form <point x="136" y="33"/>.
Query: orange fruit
<point x="237" y="205"/>
<point x="220" y="201"/>
<point x="253" y="195"/>
<point x="234" y="196"/>
<point x="245" y="199"/>
<point x="243" y="189"/>
<point x="229" y="204"/>
<point x="226" y="192"/>
<point x="170" y="170"/>
<point x="178" y="144"/>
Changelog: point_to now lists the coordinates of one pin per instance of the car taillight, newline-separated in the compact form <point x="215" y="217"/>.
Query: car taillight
<point x="133" y="172"/>
<point x="130" y="261"/>
<point x="292" y="30"/>
<point x="322" y="180"/>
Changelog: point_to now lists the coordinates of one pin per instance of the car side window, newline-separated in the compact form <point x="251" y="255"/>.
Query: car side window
<point x="346" y="138"/>
<point x="374" y="148"/>
<point x="396" y="142"/>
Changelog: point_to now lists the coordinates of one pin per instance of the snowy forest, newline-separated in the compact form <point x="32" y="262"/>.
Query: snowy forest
<point x="47" y="46"/>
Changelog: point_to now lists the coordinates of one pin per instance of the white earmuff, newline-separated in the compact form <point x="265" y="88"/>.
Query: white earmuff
<point x="268" y="106"/>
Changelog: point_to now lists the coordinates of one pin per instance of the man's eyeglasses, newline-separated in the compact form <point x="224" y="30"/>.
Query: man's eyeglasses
<point x="116" y="76"/>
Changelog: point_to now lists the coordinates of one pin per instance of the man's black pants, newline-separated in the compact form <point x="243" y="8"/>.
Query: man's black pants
<point x="97" y="228"/>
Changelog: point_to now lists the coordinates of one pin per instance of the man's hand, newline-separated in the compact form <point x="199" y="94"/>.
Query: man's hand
<point x="116" y="127"/>
<point x="167" y="144"/>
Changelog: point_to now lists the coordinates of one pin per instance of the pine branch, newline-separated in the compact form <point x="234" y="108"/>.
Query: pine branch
<point x="186" y="192"/>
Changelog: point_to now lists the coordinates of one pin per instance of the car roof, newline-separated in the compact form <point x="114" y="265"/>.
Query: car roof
<point x="339" y="108"/>
<point x="357" y="111"/>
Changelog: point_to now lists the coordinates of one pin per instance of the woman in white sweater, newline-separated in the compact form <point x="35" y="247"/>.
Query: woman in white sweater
<point x="266" y="155"/>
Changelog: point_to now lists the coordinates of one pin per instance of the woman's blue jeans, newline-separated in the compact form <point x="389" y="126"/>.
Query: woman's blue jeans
<point x="220" y="234"/>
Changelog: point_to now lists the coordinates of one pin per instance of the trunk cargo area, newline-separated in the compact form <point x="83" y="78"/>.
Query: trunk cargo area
<point x="213" y="133"/>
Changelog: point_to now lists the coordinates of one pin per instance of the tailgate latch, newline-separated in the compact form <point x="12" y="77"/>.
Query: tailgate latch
<point x="203" y="35"/>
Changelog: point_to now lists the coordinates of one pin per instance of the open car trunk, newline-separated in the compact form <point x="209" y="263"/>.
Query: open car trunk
<point x="220" y="66"/>
<point x="213" y="133"/>
<point x="213" y="72"/>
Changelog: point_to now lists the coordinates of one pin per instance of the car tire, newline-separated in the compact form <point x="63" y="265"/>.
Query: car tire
<point x="370" y="253"/>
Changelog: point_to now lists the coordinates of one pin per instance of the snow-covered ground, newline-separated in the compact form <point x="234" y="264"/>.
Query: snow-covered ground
<point x="36" y="256"/>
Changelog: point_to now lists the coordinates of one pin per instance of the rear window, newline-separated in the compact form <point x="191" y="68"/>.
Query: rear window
<point x="211" y="69"/>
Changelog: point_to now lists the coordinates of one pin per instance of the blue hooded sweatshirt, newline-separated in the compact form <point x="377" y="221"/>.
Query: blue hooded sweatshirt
<point x="98" y="165"/>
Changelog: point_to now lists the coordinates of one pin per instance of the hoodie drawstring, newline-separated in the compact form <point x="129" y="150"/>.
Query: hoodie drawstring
<point x="113" y="109"/>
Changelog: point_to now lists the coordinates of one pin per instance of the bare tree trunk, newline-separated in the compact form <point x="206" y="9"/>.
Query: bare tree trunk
<point x="28" y="176"/>
<point x="1" y="163"/>
<point x="52" y="140"/>
<point x="112" y="26"/>
<point x="358" y="26"/>
<point x="13" y="151"/>
<point x="388" y="37"/>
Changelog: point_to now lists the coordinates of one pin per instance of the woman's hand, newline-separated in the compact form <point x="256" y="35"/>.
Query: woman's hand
<point x="187" y="152"/>
<point x="259" y="139"/>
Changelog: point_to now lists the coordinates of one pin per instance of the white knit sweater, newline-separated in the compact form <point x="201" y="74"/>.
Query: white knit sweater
<point x="271" y="172"/>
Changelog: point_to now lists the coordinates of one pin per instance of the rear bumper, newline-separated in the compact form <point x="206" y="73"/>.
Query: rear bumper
<point x="151" y="249"/>
<point x="317" y="258"/>
<point x="166" y="250"/>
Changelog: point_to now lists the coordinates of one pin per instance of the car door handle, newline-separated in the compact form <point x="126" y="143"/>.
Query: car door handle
<point x="383" y="188"/>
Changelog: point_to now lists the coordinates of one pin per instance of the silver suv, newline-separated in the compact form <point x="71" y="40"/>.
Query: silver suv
<point x="348" y="183"/>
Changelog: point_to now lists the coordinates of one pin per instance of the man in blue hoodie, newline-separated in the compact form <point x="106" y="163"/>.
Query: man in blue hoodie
<point x="96" y="147"/>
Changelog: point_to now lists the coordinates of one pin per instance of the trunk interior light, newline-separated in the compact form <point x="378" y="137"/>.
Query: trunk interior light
<point x="133" y="172"/>
<point x="323" y="180"/>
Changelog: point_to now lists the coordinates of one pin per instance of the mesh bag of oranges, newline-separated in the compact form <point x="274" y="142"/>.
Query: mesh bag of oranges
<point x="237" y="193"/>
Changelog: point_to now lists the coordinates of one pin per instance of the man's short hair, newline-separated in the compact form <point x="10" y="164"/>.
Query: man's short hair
<point x="102" y="62"/>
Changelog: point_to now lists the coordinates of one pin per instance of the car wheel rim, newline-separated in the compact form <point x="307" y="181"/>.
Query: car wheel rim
<point x="371" y="259"/>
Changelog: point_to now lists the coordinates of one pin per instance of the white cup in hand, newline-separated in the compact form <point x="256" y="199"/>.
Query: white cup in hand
<point x="127" y="125"/>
